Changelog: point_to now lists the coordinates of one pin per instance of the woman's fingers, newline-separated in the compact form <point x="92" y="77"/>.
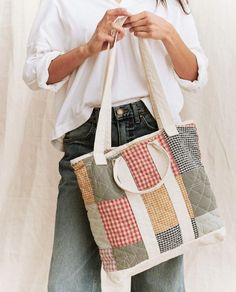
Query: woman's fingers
<point x="118" y="28"/>
<point x="141" y="22"/>
<point x="107" y="29"/>
<point x="141" y="28"/>
<point x="136" y="17"/>
<point x="112" y="14"/>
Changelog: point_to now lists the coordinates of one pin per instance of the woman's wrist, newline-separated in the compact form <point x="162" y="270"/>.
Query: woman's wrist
<point x="169" y="36"/>
<point x="183" y="60"/>
<point x="82" y="53"/>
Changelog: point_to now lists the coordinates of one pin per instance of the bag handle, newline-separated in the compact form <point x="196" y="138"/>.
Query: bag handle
<point x="159" y="103"/>
<point x="162" y="161"/>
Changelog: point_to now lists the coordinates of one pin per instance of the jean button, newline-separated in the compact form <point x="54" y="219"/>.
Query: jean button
<point x="120" y="111"/>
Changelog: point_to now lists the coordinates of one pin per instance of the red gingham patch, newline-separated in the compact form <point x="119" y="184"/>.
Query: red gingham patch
<point x="161" y="139"/>
<point x="108" y="260"/>
<point x="141" y="166"/>
<point x="119" y="222"/>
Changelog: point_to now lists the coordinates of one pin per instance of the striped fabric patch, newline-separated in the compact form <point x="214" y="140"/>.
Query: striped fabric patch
<point x="84" y="183"/>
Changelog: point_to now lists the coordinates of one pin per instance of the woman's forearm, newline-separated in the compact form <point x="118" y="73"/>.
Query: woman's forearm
<point x="65" y="64"/>
<point x="151" y="26"/>
<point x="183" y="60"/>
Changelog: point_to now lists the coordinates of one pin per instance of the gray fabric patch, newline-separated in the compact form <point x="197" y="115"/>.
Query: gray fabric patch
<point x="129" y="256"/>
<point x="103" y="183"/>
<point x="199" y="191"/>
<point x="97" y="226"/>
<point x="209" y="222"/>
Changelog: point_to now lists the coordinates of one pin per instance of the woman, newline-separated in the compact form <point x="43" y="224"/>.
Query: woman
<point x="66" y="54"/>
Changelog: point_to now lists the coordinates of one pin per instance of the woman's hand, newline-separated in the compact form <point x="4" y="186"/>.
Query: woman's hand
<point x="151" y="26"/>
<point x="102" y="34"/>
<point x="148" y="25"/>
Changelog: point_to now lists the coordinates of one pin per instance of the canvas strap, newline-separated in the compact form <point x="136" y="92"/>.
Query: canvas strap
<point x="158" y="100"/>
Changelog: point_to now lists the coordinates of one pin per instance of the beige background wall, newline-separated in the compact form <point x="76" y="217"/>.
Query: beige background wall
<point x="28" y="163"/>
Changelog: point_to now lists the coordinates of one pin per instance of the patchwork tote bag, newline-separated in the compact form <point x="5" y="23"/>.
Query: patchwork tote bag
<point x="149" y="200"/>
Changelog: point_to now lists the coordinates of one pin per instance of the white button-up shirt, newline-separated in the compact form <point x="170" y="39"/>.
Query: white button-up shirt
<point x="62" y="25"/>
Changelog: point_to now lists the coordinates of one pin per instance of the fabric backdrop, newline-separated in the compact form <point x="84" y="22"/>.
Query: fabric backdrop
<point x="29" y="175"/>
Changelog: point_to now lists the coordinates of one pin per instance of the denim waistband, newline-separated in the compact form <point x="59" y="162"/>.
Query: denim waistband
<point x="120" y="112"/>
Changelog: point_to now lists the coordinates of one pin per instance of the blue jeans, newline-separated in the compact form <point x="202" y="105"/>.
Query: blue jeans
<point x="75" y="263"/>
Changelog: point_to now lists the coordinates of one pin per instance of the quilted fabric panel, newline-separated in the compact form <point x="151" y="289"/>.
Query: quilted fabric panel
<point x="160" y="209"/>
<point x="169" y="239"/>
<point x="97" y="227"/>
<point x="209" y="222"/>
<point x="199" y="191"/>
<point x="102" y="181"/>
<point x="129" y="256"/>
<point x="184" y="148"/>
<point x="185" y="195"/>
<point x="119" y="222"/>
<point x="112" y="221"/>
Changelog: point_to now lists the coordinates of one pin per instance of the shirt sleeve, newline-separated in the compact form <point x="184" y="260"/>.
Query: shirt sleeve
<point x="189" y="35"/>
<point x="46" y="41"/>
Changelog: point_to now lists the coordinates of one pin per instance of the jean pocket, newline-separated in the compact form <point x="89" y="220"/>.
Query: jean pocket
<point x="149" y="121"/>
<point x="81" y="133"/>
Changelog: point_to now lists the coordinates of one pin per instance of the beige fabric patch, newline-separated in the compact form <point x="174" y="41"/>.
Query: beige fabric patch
<point x="160" y="209"/>
<point x="84" y="182"/>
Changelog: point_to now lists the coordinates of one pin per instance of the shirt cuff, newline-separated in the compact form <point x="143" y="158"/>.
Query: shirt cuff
<point x="202" y="79"/>
<point x="43" y="74"/>
<point x="35" y="72"/>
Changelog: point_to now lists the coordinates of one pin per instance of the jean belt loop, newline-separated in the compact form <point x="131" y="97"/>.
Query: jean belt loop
<point x="136" y="112"/>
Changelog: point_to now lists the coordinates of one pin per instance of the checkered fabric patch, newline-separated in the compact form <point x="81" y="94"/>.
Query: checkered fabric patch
<point x="190" y="125"/>
<point x="161" y="139"/>
<point x="190" y="136"/>
<point x="84" y="182"/>
<point x="107" y="259"/>
<point x="141" y="166"/>
<point x="185" y="148"/>
<point x="160" y="209"/>
<point x="195" y="229"/>
<point x="169" y="239"/>
<point x="119" y="222"/>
